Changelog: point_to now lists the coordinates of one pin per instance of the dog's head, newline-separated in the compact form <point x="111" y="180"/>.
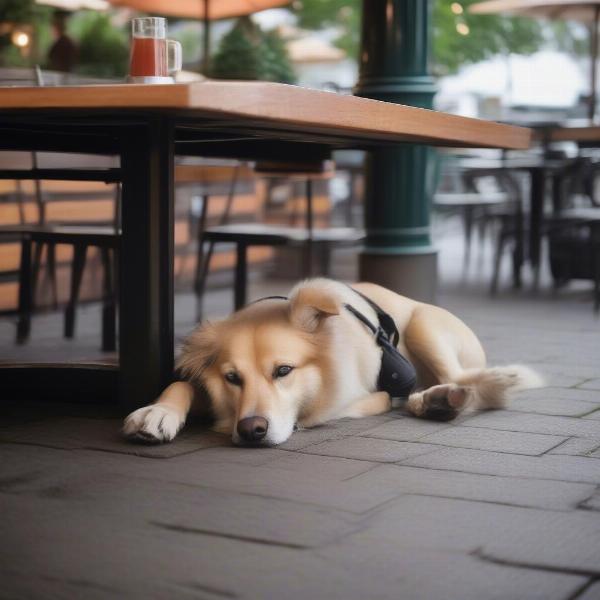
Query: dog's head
<point x="266" y="366"/>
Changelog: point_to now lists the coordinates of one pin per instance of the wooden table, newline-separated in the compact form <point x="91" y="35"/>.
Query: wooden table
<point x="147" y="126"/>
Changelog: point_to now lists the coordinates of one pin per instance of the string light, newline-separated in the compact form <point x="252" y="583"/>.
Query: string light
<point x="462" y="28"/>
<point x="20" y="39"/>
<point x="456" y="8"/>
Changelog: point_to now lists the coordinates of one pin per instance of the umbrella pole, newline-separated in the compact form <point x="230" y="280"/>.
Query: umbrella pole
<point x="206" y="50"/>
<point x="593" y="61"/>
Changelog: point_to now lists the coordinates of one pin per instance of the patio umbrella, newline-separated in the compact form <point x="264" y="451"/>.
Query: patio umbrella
<point x="73" y="5"/>
<point x="586" y="11"/>
<point x="207" y="10"/>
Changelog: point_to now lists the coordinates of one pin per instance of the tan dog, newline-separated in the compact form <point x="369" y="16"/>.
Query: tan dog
<point x="279" y="363"/>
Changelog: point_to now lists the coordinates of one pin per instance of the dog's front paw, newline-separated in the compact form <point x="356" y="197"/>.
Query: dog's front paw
<point x="153" y="424"/>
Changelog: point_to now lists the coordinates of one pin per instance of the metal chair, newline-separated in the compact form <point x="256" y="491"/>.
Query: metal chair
<point x="34" y="237"/>
<point x="247" y="235"/>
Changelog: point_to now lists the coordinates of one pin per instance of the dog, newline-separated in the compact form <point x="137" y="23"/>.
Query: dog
<point x="282" y="363"/>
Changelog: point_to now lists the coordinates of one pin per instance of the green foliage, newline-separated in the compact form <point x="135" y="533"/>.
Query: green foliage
<point x="489" y="35"/>
<point x="246" y="52"/>
<point x="13" y="11"/>
<point x="276" y="63"/>
<point x="342" y="14"/>
<point x="16" y="11"/>
<point x="238" y="55"/>
<point x="103" y="48"/>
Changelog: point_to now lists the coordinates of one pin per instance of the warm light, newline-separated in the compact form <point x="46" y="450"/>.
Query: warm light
<point x="462" y="28"/>
<point x="20" y="39"/>
<point x="456" y="8"/>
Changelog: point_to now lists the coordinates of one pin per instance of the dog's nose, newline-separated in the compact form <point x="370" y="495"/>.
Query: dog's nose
<point x="252" y="429"/>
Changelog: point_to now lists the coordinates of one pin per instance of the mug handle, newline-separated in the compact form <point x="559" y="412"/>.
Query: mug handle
<point x="174" y="56"/>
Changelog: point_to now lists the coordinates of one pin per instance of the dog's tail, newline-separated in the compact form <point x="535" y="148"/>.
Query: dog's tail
<point x="493" y="387"/>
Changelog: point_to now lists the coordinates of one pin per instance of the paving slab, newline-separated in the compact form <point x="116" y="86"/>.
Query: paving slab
<point x="498" y="441"/>
<point x="577" y="447"/>
<point x="104" y="435"/>
<point x="549" y="466"/>
<point x="565" y="406"/>
<point x="96" y="561"/>
<point x="590" y="593"/>
<point x="535" y="493"/>
<point x="593" y="502"/>
<point x="513" y="421"/>
<point x="335" y="430"/>
<point x="371" y="449"/>
<point x="590" y="384"/>
<point x="547" y="539"/>
<point x="405" y="430"/>
<point x="593" y="415"/>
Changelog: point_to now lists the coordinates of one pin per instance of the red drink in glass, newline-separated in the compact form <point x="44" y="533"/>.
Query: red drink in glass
<point x="148" y="57"/>
<point x="154" y="58"/>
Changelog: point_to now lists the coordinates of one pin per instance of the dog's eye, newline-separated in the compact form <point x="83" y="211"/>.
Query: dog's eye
<point x="233" y="378"/>
<point x="282" y="371"/>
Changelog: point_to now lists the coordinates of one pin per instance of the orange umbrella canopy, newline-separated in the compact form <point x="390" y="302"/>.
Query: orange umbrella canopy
<point x="196" y="9"/>
<point x="575" y="10"/>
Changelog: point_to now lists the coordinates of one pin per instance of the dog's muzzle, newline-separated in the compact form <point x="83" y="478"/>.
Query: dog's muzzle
<point x="252" y="430"/>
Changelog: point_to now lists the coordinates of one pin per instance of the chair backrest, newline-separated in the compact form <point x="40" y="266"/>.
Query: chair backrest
<point x="55" y="192"/>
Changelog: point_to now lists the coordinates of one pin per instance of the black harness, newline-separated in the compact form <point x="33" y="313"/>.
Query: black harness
<point x="397" y="376"/>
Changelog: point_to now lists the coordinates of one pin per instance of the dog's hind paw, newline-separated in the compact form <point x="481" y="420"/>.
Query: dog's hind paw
<point x="438" y="403"/>
<point x="153" y="424"/>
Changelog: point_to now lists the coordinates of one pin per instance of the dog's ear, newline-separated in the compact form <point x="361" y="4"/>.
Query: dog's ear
<point x="200" y="350"/>
<point x="310" y="305"/>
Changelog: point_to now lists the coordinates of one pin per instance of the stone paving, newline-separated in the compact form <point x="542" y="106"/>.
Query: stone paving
<point x="497" y="505"/>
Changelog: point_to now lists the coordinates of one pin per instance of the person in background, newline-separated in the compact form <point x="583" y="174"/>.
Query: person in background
<point x="62" y="55"/>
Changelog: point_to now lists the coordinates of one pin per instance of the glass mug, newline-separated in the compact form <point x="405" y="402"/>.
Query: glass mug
<point x="154" y="58"/>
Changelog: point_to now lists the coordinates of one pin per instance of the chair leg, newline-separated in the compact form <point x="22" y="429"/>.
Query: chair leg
<point x="38" y="248"/>
<point x="519" y="249"/>
<point x="502" y="234"/>
<point x="79" y="255"/>
<point x="309" y="247"/>
<point x="596" y="266"/>
<point x="25" y="292"/>
<point x="325" y="259"/>
<point x="468" y="225"/>
<point x="51" y="273"/>
<point x="241" y="276"/>
<point x="109" y="337"/>
<point x="202" y="260"/>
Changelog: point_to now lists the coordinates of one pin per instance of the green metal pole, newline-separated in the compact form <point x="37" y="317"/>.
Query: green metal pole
<point x="398" y="252"/>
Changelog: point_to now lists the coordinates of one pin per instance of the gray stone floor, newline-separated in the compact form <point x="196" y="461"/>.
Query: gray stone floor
<point x="498" y="505"/>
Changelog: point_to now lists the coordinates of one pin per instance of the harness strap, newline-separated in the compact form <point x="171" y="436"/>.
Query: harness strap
<point x="385" y="320"/>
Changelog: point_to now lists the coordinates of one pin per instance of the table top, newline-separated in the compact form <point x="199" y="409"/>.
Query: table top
<point x="586" y="133"/>
<point x="271" y="106"/>
<point x="525" y="163"/>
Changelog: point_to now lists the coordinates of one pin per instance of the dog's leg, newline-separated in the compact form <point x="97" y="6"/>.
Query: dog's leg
<point x="443" y="347"/>
<point x="161" y="421"/>
<point x="373" y="404"/>
<point x="439" y="403"/>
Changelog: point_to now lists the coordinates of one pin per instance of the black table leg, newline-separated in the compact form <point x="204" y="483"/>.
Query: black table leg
<point x="241" y="276"/>
<point x="538" y="185"/>
<point x="146" y="262"/>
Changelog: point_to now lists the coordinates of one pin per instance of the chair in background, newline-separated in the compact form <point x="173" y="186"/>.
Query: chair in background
<point x="44" y="234"/>
<point x="245" y="235"/>
<point x="34" y="237"/>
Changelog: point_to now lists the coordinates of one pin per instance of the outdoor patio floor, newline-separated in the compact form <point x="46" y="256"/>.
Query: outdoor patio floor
<point x="500" y="505"/>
